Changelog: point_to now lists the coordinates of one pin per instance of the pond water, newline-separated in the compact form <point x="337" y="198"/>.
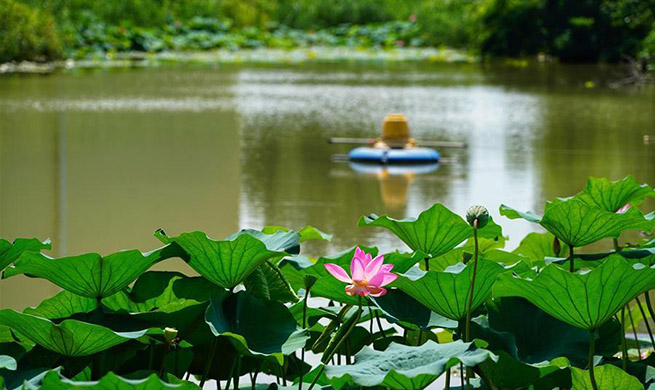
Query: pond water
<point x="98" y="159"/>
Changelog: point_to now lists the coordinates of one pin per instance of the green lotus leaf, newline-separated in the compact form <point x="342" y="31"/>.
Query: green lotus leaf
<point x="612" y="195"/>
<point x="522" y="320"/>
<point x="608" y="377"/>
<point x="577" y="223"/>
<point x="418" y="367"/>
<point x="313" y="314"/>
<point x="268" y="282"/>
<point x="225" y="263"/>
<point x="536" y="247"/>
<point x="53" y="381"/>
<point x="11" y="251"/>
<point x="507" y="373"/>
<point x="69" y="338"/>
<point x="402" y="262"/>
<point x="63" y="305"/>
<point x="447" y="292"/>
<point x="398" y="307"/>
<point x="512" y="213"/>
<point x="435" y="231"/>
<point x="24" y="379"/>
<point x="307" y="233"/>
<point x="164" y="299"/>
<point x="278" y="241"/>
<point x="91" y="275"/>
<point x="8" y="363"/>
<point x="162" y="291"/>
<point x="254" y="326"/>
<point x="584" y="300"/>
<point x="487" y="248"/>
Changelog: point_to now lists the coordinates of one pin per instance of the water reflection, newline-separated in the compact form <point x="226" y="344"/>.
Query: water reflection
<point x="394" y="181"/>
<point x="97" y="160"/>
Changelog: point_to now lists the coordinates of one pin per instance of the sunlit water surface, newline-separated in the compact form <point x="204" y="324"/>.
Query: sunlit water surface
<point x="98" y="159"/>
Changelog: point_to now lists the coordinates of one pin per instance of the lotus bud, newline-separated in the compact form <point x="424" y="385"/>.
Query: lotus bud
<point x="309" y="281"/>
<point x="557" y="247"/>
<point x="477" y="216"/>
<point x="170" y="334"/>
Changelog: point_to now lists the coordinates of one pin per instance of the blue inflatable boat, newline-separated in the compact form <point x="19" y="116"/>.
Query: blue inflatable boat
<point x="394" y="156"/>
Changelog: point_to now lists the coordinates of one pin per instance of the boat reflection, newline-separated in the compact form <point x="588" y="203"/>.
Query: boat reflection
<point x="394" y="179"/>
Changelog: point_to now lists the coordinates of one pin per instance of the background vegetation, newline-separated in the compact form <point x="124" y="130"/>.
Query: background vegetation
<point x="571" y="30"/>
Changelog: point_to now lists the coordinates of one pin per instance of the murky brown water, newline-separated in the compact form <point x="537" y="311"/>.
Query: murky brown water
<point x="97" y="160"/>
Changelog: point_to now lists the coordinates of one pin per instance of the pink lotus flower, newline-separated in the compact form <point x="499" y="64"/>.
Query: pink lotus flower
<point x="623" y="209"/>
<point x="368" y="275"/>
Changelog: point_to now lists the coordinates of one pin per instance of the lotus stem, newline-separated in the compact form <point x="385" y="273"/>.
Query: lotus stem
<point x="162" y="365"/>
<point x="377" y="318"/>
<point x="469" y="307"/>
<point x="348" y="361"/>
<point x="649" y="305"/>
<point x="283" y="369"/>
<point x="643" y="315"/>
<point x="617" y="248"/>
<point x="370" y="323"/>
<point x="254" y="377"/>
<point x="592" y="347"/>
<point x="461" y="376"/>
<point x="318" y="375"/>
<point x="624" y="344"/>
<point x="212" y="352"/>
<point x="447" y="379"/>
<point x="151" y="358"/>
<point x="427" y="263"/>
<point x="304" y="325"/>
<point x="420" y="336"/>
<point x="237" y="373"/>
<point x="571" y="260"/>
<point x="634" y="331"/>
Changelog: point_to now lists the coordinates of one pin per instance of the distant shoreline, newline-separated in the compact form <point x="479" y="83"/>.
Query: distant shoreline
<point x="247" y="56"/>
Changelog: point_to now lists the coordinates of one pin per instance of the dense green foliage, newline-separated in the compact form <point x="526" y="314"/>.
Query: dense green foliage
<point x="527" y="319"/>
<point x="571" y="30"/>
<point x="27" y="33"/>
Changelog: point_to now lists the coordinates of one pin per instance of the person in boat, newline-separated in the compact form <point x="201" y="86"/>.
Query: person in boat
<point x="395" y="133"/>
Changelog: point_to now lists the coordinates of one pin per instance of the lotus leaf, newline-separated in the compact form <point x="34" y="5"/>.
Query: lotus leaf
<point x="11" y="251"/>
<point x="68" y="338"/>
<point x="91" y="275"/>
<point x="447" y="292"/>
<point x="307" y="233"/>
<point x="404" y="367"/>
<point x="435" y="231"/>
<point x="612" y="195"/>
<point x="584" y="300"/>
<point x="608" y="377"/>
<point x="54" y="381"/>
<point x="256" y="327"/>
<point x="225" y="263"/>
<point x="577" y="223"/>
<point x="268" y="282"/>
